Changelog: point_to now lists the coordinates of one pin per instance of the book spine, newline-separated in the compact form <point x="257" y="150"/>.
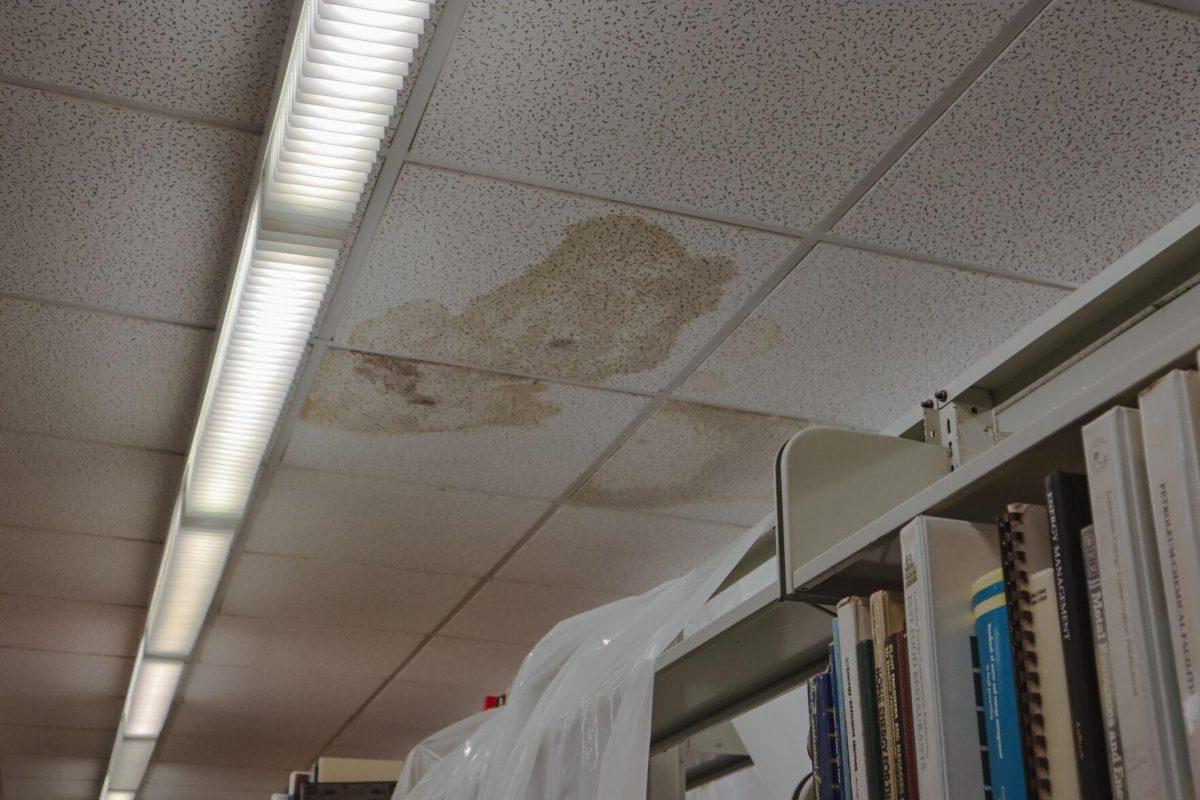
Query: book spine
<point x="814" y="728"/>
<point x="1003" y="727"/>
<point x="922" y="659"/>
<point x="890" y="677"/>
<point x="825" y="763"/>
<point x="908" y="746"/>
<point x="1069" y="513"/>
<point x="887" y="617"/>
<point x="851" y="695"/>
<point x="1026" y="683"/>
<point x="839" y="697"/>
<point x="1108" y="703"/>
<point x="870" y="714"/>
<point x="1055" y="719"/>
<point x="981" y="720"/>
<point x="1171" y="433"/>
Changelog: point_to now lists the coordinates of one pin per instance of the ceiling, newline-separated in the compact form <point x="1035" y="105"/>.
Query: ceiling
<point x="631" y="249"/>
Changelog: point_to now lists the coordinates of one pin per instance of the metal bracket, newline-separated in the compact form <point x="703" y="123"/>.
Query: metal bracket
<point x="666" y="778"/>
<point x="966" y="425"/>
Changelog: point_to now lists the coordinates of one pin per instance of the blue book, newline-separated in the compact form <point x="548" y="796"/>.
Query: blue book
<point x="826" y="772"/>
<point x="839" y="702"/>
<point x="1005" y="760"/>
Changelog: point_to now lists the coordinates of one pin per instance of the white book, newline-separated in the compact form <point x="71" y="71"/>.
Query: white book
<point x="941" y="558"/>
<point x="1055" y="721"/>
<point x="1171" y="433"/>
<point x="1143" y="678"/>
<point x="854" y="621"/>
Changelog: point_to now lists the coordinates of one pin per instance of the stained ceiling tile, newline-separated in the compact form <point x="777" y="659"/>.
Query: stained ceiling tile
<point x="216" y="777"/>
<point x="279" y="587"/>
<point x="77" y="566"/>
<point x="487" y="273"/>
<point x="33" y="673"/>
<point x="38" y="623"/>
<point x="262" y="702"/>
<point x="857" y="338"/>
<point x="615" y="551"/>
<point x="354" y="518"/>
<point x="97" y="376"/>
<point x="769" y="110"/>
<point x="71" y="485"/>
<point x="1079" y="142"/>
<point x="215" y="58"/>
<point x="694" y="461"/>
<point x="50" y="767"/>
<point x="521" y="613"/>
<point x="278" y="751"/>
<point x="304" y="646"/>
<point x="55" y="789"/>
<point x="65" y="741"/>
<point x="489" y="666"/>
<point x="118" y="209"/>
<point x="449" y="426"/>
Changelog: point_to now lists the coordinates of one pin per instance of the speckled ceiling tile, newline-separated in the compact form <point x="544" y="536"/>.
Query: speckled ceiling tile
<point x="80" y="373"/>
<point x="858" y="338"/>
<point x="118" y="209"/>
<point x="769" y="110"/>
<point x="694" y="461"/>
<point x="448" y="426"/>
<point x="494" y="274"/>
<point x="217" y="57"/>
<point x="1080" y="141"/>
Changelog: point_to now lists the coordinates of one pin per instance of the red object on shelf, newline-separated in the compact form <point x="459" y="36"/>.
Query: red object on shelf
<point x="493" y="701"/>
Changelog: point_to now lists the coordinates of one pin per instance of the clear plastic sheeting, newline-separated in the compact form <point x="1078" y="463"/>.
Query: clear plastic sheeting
<point x="577" y="722"/>
<point x="745" y="784"/>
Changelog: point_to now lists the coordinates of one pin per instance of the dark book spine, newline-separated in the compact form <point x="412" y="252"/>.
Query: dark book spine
<point x="1070" y="511"/>
<point x="825" y="762"/>
<point x="981" y="719"/>
<point x="1028" y="698"/>
<point x="891" y="677"/>
<point x="908" y="742"/>
<point x="814" y="723"/>
<point x="874" y="755"/>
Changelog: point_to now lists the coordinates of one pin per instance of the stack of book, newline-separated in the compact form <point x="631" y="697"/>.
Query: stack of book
<point x="1051" y="655"/>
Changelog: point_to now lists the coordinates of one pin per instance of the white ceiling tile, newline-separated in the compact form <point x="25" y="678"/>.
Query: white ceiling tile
<point x="1080" y="141"/>
<point x="695" y="461"/>
<point x="26" y="674"/>
<point x="355" y="518"/>
<point x="278" y="751"/>
<point x="615" y="551"/>
<point x="423" y="708"/>
<point x="77" y="566"/>
<point x="490" y="666"/>
<point x="521" y="613"/>
<point x="40" y="623"/>
<point x="97" y="376"/>
<point x="217" y="58"/>
<point x="769" y="110"/>
<point x="254" y="722"/>
<point x="217" y="777"/>
<point x="374" y="738"/>
<point x="56" y="789"/>
<point x="493" y="274"/>
<point x="85" y="711"/>
<point x="299" y="645"/>
<point x="857" y="338"/>
<point x="278" y="587"/>
<point x="50" y="767"/>
<point x="86" y="487"/>
<point x="448" y="426"/>
<point x="66" y="741"/>
<point x="119" y="209"/>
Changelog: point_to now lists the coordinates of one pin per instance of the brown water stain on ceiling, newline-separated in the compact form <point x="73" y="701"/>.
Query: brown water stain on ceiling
<point x="610" y="299"/>
<point x="367" y="393"/>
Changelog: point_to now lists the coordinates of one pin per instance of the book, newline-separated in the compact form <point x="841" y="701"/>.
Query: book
<point x="854" y="625"/>
<point x="908" y="748"/>
<point x="890" y="680"/>
<point x="1170" y="411"/>
<point x="1025" y="549"/>
<point x="839" y="699"/>
<point x="887" y="617"/>
<point x="1108" y="708"/>
<point x="981" y="719"/>
<point x="1053" y="724"/>
<point x="824" y="732"/>
<point x="1069" y="512"/>
<point x="1143" y="678"/>
<point x="1002" y="722"/>
<point x="939" y="559"/>
<point x="870" y="716"/>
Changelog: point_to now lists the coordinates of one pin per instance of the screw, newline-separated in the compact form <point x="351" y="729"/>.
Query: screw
<point x="926" y="404"/>
<point x="940" y="395"/>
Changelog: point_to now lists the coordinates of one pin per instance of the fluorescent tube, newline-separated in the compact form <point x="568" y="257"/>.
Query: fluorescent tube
<point x="151" y="691"/>
<point x="127" y="767"/>
<point x="187" y="580"/>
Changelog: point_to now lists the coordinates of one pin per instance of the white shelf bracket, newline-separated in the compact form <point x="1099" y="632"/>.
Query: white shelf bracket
<point x="966" y="425"/>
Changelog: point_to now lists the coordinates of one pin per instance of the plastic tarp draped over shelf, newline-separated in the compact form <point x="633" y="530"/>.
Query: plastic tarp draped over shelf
<point x="577" y="722"/>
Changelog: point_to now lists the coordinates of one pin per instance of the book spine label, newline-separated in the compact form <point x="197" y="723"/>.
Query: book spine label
<point x="1003" y="726"/>
<point x="1108" y="703"/>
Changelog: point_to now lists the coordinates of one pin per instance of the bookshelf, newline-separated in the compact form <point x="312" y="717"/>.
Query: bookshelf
<point x="1135" y="321"/>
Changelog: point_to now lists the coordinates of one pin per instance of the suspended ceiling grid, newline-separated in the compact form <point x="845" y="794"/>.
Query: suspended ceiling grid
<point x="630" y="249"/>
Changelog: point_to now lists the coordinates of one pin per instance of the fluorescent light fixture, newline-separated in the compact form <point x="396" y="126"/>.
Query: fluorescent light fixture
<point x="150" y="693"/>
<point x="127" y="767"/>
<point x="187" y="580"/>
<point x="108" y="794"/>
